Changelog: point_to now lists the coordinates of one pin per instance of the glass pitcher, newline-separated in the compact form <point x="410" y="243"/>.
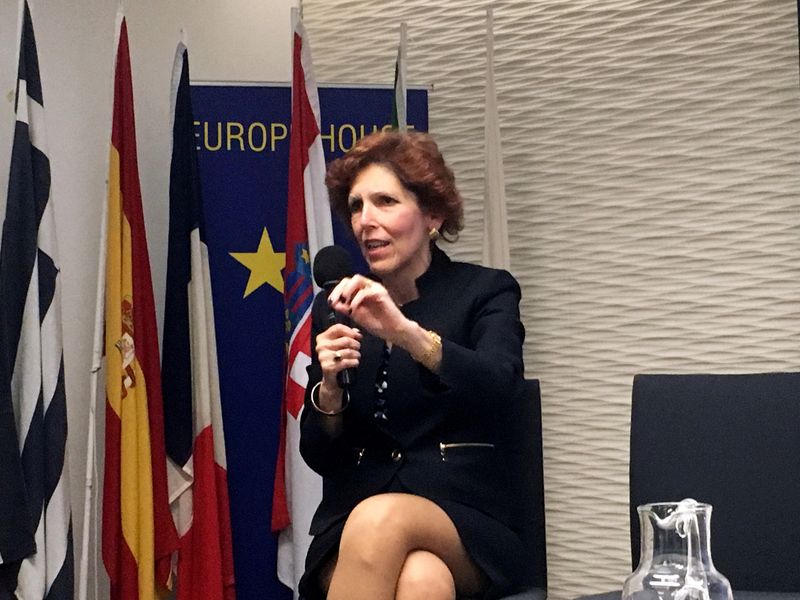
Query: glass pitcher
<point x="675" y="561"/>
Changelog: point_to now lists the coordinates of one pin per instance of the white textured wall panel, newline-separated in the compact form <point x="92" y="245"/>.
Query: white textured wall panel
<point x="652" y="159"/>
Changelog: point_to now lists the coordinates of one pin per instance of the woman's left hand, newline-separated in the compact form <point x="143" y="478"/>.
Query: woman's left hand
<point x="369" y="305"/>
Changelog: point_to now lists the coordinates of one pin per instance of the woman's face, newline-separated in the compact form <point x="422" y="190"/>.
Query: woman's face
<point x="390" y="227"/>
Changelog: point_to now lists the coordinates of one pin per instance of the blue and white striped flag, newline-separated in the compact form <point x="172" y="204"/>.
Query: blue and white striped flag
<point x="31" y="357"/>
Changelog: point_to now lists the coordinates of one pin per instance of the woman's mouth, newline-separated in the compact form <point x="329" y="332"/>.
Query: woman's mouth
<point x="375" y="250"/>
<point x="375" y="244"/>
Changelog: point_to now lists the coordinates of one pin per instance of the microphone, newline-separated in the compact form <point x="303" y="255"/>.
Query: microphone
<point x="331" y="265"/>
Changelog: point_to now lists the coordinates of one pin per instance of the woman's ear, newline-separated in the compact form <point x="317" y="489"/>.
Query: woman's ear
<point x="435" y="222"/>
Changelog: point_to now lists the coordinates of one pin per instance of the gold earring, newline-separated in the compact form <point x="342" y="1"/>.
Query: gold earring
<point x="433" y="234"/>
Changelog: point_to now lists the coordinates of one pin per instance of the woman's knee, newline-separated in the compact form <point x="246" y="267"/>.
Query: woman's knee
<point x="375" y="536"/>
<point x="425" y="576"/>
<point x="376" y="517"/>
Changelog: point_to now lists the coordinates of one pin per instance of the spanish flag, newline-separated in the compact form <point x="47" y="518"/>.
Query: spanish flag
<point x="139" y="535"/>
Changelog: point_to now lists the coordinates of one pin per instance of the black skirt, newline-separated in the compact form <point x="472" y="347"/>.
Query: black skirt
<point x="494" y="547"/>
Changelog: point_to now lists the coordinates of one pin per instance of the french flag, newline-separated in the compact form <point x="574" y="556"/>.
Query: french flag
<point x="194" y="436"/>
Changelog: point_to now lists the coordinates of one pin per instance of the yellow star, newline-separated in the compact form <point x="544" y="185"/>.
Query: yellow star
<point x="265" y="265"/>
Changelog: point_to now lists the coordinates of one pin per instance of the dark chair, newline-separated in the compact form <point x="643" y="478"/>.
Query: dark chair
<point x="526" y="419"/>
<point x="732" y="441"/>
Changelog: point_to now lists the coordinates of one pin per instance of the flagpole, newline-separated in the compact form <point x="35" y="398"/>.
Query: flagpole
<point x="97" y="360"/>
<point x="94" y="373"/>
<point x="403" y="58"/>
<point x="20" y="19"/>
<point x="176" y="74"/>
<point x="399" y="103"/>
<point x="496" y="251"/>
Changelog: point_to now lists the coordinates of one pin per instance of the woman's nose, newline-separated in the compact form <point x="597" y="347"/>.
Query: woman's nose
<point x="366" y="216"/>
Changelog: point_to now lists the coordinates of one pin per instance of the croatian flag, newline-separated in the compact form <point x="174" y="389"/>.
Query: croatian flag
<point x="308" y="228"/>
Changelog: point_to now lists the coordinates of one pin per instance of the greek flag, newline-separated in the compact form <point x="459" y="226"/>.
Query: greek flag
<point x="36" y="531"/>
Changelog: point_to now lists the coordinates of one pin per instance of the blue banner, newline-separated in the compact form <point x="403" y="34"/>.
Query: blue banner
<point x="243" y="144"/>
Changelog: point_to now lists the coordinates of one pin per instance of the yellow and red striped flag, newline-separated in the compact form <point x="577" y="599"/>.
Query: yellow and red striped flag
<point x="139" y="535"/>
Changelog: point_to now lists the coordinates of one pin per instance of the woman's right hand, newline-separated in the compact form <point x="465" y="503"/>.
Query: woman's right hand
<point x="338" y="348"/>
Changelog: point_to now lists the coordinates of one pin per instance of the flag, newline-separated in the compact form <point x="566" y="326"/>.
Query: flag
<point x="495" y="223"/>
<point x="139" y="536"/>
<point x="195" y="445"/>
<point x="399" y="120"/>
<point x="308" y="228"/>
<point x="35" y="518"/>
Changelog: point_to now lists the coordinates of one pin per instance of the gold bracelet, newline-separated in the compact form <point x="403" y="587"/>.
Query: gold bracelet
<point x="328" y="413"/>
<point x="428" y="359"/>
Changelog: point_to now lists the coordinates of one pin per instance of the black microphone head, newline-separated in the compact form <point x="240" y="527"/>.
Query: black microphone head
<point x="331" y="265"/>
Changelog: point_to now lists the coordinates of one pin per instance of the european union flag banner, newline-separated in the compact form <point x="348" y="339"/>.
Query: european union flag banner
<point x="243" y="147"/>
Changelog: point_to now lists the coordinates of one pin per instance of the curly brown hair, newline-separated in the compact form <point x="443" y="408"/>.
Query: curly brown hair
<point x="415" y="159"/>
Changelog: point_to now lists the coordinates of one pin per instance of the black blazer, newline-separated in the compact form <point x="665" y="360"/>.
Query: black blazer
<point x="444" y="438"/>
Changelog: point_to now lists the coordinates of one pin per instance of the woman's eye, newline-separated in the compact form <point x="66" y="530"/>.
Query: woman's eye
<point x="354" y="205"/>
<point x="387" y="200"/>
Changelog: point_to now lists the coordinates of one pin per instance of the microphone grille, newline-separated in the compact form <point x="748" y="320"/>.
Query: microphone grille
<point x="331" y="265"/>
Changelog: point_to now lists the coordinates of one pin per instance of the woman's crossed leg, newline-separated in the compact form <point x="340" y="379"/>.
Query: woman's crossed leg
<point x="404" y="547"/>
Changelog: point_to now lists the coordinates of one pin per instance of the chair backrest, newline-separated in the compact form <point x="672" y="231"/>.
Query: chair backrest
<point x="526" y="416"/>
<point x="732" y="441"/>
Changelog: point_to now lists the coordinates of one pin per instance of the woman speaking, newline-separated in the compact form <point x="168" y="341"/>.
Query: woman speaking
<point x="416" y="500"/>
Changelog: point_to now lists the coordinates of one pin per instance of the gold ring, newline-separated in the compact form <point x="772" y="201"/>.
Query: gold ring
<point x="337" y="356"/>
